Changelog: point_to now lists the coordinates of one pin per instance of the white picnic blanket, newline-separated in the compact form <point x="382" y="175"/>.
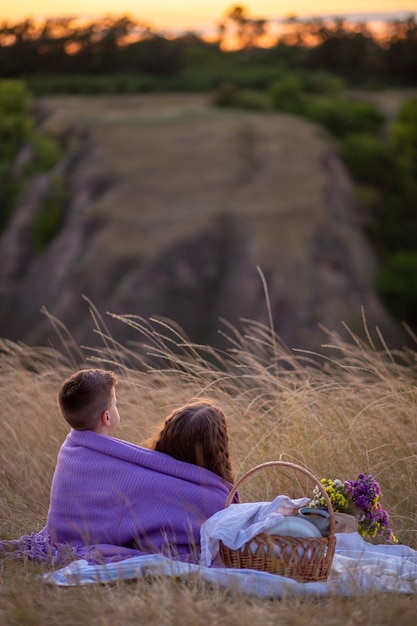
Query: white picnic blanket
<point x="358" y="567"/>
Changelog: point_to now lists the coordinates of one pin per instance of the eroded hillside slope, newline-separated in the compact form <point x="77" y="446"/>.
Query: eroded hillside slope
<point x="174" y="204"/>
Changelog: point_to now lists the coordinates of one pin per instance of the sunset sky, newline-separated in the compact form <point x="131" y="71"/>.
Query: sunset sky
<point x="194" y="15"/>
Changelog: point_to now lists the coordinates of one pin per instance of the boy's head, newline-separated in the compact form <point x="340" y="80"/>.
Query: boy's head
<point x="87" y="400"/>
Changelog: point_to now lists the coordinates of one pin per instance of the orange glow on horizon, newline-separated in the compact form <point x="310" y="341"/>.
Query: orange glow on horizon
<point x="183" y="15"/>
<point x="286" y="28"/>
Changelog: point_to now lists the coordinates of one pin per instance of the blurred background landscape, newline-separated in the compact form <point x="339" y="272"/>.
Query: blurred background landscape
<point x="182" y="174"/>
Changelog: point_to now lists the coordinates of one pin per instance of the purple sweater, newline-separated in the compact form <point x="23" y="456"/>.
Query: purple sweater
<point x="108" y="491"/>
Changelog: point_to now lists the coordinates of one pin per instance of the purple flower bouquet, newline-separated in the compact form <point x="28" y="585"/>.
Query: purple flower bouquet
<point x="358" y="497"/>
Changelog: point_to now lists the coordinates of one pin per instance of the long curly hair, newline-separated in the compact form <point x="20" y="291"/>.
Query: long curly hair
<point x="196" y="433"/>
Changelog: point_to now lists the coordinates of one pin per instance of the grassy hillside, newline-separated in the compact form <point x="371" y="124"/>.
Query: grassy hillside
<point x="353" y="410"/>
<point x="172" y="204"/>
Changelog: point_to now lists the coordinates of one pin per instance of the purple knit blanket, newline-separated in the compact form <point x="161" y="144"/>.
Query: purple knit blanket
<point x="111" y="499"/>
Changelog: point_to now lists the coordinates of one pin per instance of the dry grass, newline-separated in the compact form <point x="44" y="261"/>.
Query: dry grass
<point x="354" y="410"/>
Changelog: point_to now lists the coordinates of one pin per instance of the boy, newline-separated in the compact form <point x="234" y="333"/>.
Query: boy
<point x="111" y="499"/>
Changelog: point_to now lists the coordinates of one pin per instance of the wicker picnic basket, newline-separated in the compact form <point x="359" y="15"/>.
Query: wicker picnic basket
<point x="306" y="559"/>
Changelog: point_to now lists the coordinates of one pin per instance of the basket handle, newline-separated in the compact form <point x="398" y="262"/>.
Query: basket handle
<point x="294" y="466"/>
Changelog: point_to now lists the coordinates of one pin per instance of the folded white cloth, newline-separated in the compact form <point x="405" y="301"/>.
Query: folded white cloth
<point x="239" y="523"/>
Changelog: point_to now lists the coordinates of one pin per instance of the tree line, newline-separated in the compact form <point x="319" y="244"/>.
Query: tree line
<point x="112" y="46"/>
